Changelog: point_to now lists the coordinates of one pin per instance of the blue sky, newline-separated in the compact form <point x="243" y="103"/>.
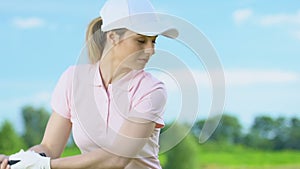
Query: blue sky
<point x="258" y="43"/>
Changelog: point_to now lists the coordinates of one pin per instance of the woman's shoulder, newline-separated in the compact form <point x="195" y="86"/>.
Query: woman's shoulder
<point x="146" y="79"/>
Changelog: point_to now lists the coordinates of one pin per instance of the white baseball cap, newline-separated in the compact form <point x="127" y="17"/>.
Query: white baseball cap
<point x="136" y="15"/>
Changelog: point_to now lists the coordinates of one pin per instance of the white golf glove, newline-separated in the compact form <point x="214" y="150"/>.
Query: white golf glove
<point x="30" y="160"/>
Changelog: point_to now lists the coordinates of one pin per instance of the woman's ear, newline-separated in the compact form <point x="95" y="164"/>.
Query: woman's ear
<point x="112" y="37"/>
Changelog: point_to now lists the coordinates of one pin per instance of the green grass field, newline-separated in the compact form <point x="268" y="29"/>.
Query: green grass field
<point x="234" y="157"/>
<point x="250" y="160"/>
<point x="212" y="156"/>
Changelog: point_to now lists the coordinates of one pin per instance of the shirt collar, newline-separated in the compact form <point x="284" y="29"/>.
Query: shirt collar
<point x="124" y="83"/>
<point x="97" y="77"/>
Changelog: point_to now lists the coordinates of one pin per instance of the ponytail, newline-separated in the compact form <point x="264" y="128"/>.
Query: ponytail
<point x="95" y="40"/>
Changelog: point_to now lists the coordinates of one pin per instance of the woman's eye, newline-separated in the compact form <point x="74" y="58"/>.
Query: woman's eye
<point x="141" y="40"/>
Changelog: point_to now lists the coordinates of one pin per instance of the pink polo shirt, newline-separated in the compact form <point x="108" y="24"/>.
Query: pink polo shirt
<point x="97" y="114"/>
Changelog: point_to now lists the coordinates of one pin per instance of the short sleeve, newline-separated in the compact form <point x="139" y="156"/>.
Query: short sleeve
<point x="151" y="105"/>
<point x="60" y="101"/>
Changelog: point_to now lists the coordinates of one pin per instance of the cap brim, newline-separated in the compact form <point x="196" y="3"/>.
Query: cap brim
<point x="145" y="24"/>
<point x="154" y="30"/>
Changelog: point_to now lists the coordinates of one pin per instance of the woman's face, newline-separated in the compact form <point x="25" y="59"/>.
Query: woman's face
<point x="134" y="50"/>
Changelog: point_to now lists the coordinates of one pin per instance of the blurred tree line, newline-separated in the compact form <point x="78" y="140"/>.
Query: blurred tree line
<point x="35" y="120"/>
<point x="265" y="133"/>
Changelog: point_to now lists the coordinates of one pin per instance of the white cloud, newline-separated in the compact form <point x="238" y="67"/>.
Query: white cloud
<point x="28" y="23"/>
<point x="235" y="78"/>
<point x="40" y="98"/>
<point x="252" y="77"/>
<point x="280" y="19"/>
<point x="37" y="99"/>
<point x="10" y="107"/>
<point x="242" y="15"/>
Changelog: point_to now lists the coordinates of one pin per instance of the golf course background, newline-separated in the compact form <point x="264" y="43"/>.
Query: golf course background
<point x="214" y="156"/>
<point x="270" y="143"/>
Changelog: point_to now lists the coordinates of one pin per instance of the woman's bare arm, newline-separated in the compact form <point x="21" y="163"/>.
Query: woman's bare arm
<point x="55" y="137"/>
<point x="102" y="159"/>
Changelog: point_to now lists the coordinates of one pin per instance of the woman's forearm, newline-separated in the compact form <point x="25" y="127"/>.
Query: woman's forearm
<point x="98" y="159"/>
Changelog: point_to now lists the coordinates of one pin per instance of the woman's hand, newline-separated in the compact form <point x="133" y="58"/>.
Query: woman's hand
<point x="4" y="162"/>
<point x="29" y="160"/>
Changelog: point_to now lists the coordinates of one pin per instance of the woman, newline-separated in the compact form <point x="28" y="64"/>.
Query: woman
<point x="112" y="106"/>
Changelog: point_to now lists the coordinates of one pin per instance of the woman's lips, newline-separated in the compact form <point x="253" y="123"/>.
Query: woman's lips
<point x="144" y="60"/>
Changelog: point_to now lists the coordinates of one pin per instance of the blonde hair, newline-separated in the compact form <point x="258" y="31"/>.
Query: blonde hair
<point x="95" y="40"/>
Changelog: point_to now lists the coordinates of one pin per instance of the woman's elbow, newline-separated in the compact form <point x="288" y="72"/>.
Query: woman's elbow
<point x="124" y="162"/>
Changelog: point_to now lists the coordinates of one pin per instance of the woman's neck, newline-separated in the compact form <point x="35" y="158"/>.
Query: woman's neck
<point x="111" y="70"/>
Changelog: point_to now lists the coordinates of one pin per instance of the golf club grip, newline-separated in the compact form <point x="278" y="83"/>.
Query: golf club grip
<point x="12" y="162"/>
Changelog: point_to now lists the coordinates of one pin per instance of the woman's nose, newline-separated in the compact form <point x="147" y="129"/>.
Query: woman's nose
<point x="149" y="49"/>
